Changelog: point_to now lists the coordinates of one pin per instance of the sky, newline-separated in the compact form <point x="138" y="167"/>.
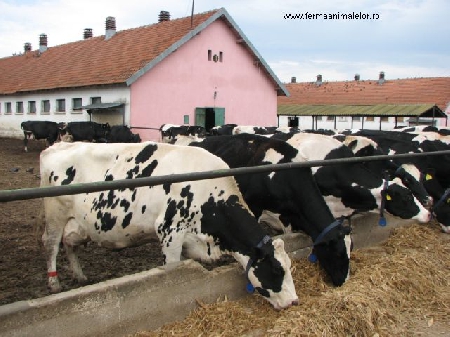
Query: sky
<point x="296" y="38"/>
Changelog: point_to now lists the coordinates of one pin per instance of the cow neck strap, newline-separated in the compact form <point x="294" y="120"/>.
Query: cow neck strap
<point x="266" y="239"/>
<point x="327" y="229"/>
<point x="313" y="257"/>
<point x="382" y="221"/>
<point x="441" y="200"/>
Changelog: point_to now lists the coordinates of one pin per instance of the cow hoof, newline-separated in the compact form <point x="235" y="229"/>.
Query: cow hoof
<point x="54" y="287"/>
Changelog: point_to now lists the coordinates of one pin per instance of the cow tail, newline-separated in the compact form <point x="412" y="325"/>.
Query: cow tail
<point x="39" y="225"/>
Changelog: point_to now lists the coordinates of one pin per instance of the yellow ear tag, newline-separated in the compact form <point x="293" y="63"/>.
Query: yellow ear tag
<point x="428" y="177"/>
<point x="448" y="201"/>
<point x="388" y="197"/>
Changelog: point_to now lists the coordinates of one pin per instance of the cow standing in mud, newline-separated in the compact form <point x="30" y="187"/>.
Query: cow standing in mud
<point x="202" y="219"/>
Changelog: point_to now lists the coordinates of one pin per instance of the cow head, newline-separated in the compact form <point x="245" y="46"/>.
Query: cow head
<point x="401" y="202"/>
<point x="270" y="274"/>
<point x="332" y="248"/>
<point x="411" y="177"/>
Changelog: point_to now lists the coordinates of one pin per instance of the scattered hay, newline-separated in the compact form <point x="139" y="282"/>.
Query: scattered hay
<point x="392" y="287"/>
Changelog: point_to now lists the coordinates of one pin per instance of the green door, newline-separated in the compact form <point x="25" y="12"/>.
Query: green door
<point x="209" y="117"/>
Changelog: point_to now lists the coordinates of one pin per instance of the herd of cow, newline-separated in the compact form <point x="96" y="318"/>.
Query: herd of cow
<point x="77" y="131"/>
<point x="206" y="219"/>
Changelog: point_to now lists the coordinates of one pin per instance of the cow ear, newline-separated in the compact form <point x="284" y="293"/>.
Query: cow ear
<point x="278" y="245"/>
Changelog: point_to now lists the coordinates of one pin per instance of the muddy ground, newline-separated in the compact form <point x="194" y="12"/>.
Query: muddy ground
<point x="22" y="262"/>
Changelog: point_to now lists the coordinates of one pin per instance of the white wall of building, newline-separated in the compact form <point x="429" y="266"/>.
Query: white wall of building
<point x="10" y="122"/>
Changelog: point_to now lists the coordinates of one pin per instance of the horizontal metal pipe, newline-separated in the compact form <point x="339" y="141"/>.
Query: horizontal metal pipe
<point x="53" y="191"/>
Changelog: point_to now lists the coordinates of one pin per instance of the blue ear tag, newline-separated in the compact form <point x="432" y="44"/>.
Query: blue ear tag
<point x="312" y="258"/>
<point x="382" y="222"/>
<point x="250" y="289"/>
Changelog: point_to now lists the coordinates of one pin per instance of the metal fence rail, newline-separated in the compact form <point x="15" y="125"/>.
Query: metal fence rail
<point x="53" y="191"/>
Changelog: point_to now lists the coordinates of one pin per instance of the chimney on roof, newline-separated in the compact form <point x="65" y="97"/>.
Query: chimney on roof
<point x="42" y="43"/>
<point x="87" y="33"/>
<point x="319" y="80"/>
<point x="357" y="77"/>
<point x="110" y="27"/>
<point x="381" y="79"/>
<point x="163" y="16"/>
<point x="27" y="47"/>
<point x="293" y="79"/>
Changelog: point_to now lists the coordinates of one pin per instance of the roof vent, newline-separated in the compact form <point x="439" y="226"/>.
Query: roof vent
<point x="42" y="43"/>
<point x="293" y="79"/>
<point x="87" y="33"/>
<point x="110" y="27"/>
<point x="357" y="77"/>
<point x="27" y="47"/>
<point x="319" y="80"/>
<point x="163" y="16"/>
<point x="381" y="79"/>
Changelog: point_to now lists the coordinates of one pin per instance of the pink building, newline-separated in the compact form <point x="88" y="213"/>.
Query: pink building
<point x="195" y="71"/>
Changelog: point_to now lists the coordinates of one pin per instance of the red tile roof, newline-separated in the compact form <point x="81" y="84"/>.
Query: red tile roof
<point x="433" y="90"/>
<point x="94" y="61"/>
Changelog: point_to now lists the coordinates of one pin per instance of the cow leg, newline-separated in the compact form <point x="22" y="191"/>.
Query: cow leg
<point x="171" y="244"/>
<point x="51" y="244"/>
<point x="25" y="142"/>
<point x="73" y="237"/>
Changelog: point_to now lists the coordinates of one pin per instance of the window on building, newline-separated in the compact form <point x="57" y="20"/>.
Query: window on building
<point x="318" y="118"/>
<point x="186" y="119"/>
<point x="8" y="109"/>
<point x="356" y="118"/>
<point x="330" y="118"/>
<point x="384" y="119"/>
<point x="370" y="119"/>
<point x="32" y="107"/>
<point x="19" y="107"/>
<point x="342" y="119"/>
<point x="400" y="119"/>
<point x="60" y="105"/>
<point x="220" y="56"/>
<point x="95" y="100"/>
<point x="209" y="54"/>
<point x="77" y="103"/>
<point x="45" y="106"/>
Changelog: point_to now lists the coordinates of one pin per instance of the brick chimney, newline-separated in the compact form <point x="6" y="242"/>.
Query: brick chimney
<point x="110" y="27"/>
<point x="293" y="79"/>
<point x="42" y="43"/>
<point x="381" y="79"/>
<point x="87" y="33"/>
<point x="357" y="77"/>
<point x="319" y="80"/>
<point x="164" y="16"/>
<point x="27" y="47"/>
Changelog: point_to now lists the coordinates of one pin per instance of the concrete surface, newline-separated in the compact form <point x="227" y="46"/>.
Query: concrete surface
<point x="150" y="299"/>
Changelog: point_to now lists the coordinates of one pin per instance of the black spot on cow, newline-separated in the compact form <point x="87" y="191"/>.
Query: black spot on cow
<point x="166" y="187"/>
<point x="130" y="159"/>
<point x="70" y="172"/>
<point x="148" y="170"/>
<point x="109" y="177"/>
<point x="125" y="204"/>
<point x="52" y="175"/>
<point x="132" y="172"/>
<point x="146" y="153"/>
<point x="107" y="221"/>
<point x="133" y="195"/>
<point x="171" y="211"/>
<point x="143" y="209"/>
<point x="127" y="220"/>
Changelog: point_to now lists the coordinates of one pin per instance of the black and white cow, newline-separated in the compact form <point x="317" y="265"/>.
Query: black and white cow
<point x="201" y="219"/>
<point x="396" y="142"/>
<point x="87" y="131"/>
<point x="122" y="134"/>
<point x="409" y="174"/>
<point x="169" y="132"/>
<point x="39" y="130"/>
<point x="222" y="130"/>
<point x="255" y="130"/>
<point x="441" y="207"/>
<point x="351" y="187"/>
<point x="293" y="194"/>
